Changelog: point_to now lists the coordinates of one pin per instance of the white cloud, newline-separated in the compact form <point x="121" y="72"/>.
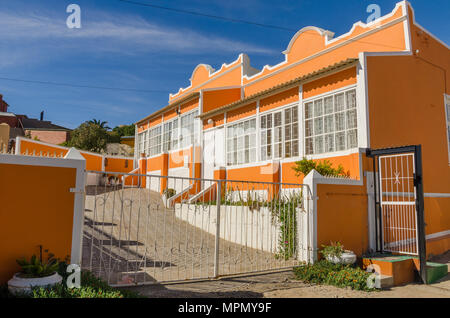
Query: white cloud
<point x="118" y="33"/>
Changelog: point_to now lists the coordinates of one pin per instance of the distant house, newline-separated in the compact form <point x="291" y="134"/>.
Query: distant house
<point x="44" y="130"/>
<point x="127" y="140"/>
<point x="40" y="129"/>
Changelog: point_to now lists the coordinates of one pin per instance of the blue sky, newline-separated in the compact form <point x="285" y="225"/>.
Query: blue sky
<point x="122" y="45"/>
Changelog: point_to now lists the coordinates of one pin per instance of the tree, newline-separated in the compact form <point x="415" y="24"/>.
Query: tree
<point x="324" y="167"/>
<point x="90" y="136"/>
<point x="97" y="122"/>
<point x="120" y="131"/>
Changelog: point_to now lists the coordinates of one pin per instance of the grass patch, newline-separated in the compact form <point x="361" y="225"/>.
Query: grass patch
<point x="91" y="287"/>
<point x="324" y="272"/>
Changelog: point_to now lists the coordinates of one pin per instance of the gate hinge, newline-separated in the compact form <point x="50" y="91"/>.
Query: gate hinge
<point x="76" y="190"/>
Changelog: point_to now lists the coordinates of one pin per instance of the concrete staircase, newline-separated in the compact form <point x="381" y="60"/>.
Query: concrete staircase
<point x="398" y="270"/>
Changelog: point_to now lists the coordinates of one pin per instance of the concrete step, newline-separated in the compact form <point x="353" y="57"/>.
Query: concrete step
<point x="435" y="272"/>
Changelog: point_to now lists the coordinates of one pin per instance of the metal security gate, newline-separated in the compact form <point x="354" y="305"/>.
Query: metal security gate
<point x="193" y="229"/>
<point x="399" y="202"/>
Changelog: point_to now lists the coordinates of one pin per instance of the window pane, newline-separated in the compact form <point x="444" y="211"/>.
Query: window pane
<point x="309" y="146"/>
<point x="308" y="128"/>
<point x="329" y="143"/>
<point x="318" y="108"/>
<point x="318" y="144"/>
<point x="340" y="121"/>
<point x="351" y="119"/>
<point x="308" y="110"/>
<point x="287" y="116"/>
<point x="329" y="105"/>
<point x="352" y="139"/>
<point x="318" y="126"/>
<point x="339" y="102"/>
<point x="329" y="123"/>
<point x="340" y="141"/>
<point x="351" y="99"/>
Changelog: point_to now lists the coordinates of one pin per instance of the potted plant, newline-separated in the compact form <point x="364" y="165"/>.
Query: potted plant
<point x="35" y="273"/>
<point x="335" y="253"/>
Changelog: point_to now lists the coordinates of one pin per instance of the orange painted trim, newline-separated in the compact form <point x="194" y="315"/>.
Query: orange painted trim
<point x="241" y="112"/>
<point x="280" y="99"/>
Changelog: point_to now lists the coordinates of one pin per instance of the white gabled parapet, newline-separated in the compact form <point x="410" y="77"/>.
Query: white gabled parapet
<point x="73" y="153"/>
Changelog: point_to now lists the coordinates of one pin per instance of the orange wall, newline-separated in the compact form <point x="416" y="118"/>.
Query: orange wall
<point x="34" y="147"/>
<point x="342" y="216"/>
<point x="44" y="217"/>
<point x="330" y="83"/>
<point x="280" y="99"/>
<point x="241" y="112"/>
<point x="118" y="164"/>
<point x="216" y="98"/>
<point x="407" y="108"/>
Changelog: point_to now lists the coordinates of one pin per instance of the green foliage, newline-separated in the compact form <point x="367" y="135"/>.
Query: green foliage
<point x="91" y="287"/>
<point x="89" y="136"/>
<point x="339" y="275"/>
<point x="124" y="130"/>
<point x="284" y="210"/>
<point x="304" y="166"/>
<point x="37" y="267"/>
<point x="168" y="192"/>
<point x="334" y="249"/>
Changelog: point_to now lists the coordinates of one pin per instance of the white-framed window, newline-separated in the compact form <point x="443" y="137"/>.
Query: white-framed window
<point x="189" y="129"/>
<point x="241" y="142"/>
<point x="170" y="135"/>
<point x="154" y="141"/>
<point x="140" y="143"/>
<point x="447" y="114"/>
<point x="279" y="134"/>
<point x="331" y="123"/>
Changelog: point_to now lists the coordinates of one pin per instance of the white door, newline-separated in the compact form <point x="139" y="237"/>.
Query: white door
<point x="213" y="152"/>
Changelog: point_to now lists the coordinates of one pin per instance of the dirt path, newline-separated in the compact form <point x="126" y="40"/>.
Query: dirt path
<point x="283" y="285"/>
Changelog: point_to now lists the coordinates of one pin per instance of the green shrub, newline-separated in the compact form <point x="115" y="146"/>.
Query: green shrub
<point x="324" y="167"/>
<point x="324" y="272"/>
<point x="168" y="192"/>
<point x="334" y="249"/>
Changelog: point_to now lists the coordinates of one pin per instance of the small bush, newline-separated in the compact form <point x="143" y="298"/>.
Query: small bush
<point x="339" y="275"/>
<point x="305" y="166"/>
<point x="334" y="249"/>
<point x="169" y="192"/>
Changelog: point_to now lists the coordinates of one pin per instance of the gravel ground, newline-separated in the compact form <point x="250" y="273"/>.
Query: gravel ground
<point x="283" y="285"/>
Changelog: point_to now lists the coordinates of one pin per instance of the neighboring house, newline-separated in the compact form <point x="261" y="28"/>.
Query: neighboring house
<point x="39" y="129"/>
<point x="127" y="140"/>
<point x="44" y="130"/>
<point x="382" y="84"/>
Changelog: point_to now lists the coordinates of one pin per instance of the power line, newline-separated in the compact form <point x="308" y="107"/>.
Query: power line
<point x="236" y="20"/>
<point x="208" y="15"/>
<point x="81" y="86"/>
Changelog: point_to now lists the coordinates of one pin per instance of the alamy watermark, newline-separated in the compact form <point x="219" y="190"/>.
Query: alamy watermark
<point x="74" y="19"/>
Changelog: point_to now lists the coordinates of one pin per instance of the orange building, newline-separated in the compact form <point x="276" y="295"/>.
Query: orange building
<point x="382" y="84"/>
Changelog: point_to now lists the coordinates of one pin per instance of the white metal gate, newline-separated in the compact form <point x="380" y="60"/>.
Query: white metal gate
<point x="138" y="236"/>
<point x="398" y="203"/>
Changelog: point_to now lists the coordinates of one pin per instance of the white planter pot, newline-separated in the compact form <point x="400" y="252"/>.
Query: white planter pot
<point x="17" y="284"/>
<point x="348" y="257"/>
